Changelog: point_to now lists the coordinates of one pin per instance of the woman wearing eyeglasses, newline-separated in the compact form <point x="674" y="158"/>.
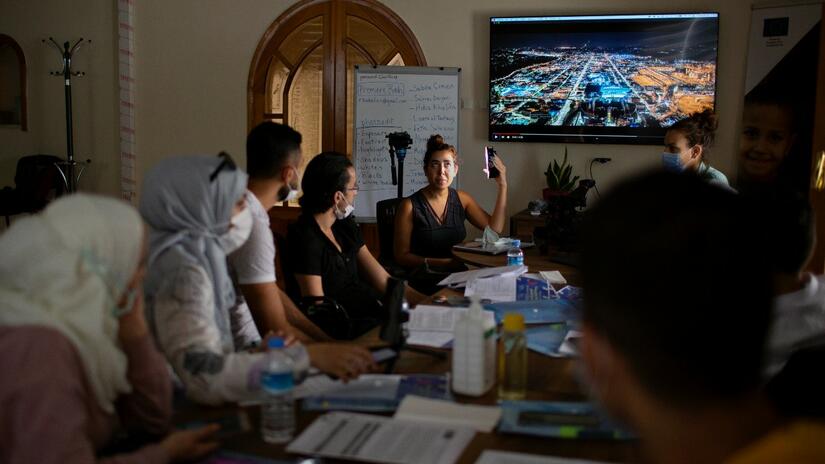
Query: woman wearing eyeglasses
<point x="430" y="221"/>
<point x="337" y="280"/>
<point x="195" y="207"/>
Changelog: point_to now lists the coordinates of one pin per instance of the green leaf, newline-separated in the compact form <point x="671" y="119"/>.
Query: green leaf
<point x="565" y="175"/>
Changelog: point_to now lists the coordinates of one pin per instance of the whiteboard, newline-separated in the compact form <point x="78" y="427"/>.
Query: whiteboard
<point x="419" y="100"/>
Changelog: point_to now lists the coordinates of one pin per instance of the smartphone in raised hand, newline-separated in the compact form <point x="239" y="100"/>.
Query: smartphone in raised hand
<point x="490" y="168"/>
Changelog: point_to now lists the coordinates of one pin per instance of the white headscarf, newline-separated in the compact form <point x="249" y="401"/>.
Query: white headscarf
<point x="66" y="268"/>
<point x="187" y="202"/>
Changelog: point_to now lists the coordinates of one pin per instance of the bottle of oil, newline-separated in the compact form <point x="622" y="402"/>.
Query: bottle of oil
<point x="512" y="359"/>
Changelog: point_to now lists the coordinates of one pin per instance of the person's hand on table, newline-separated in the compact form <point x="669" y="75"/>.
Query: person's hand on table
<point x="192" y="444"/>
<point x="341" y="360"/>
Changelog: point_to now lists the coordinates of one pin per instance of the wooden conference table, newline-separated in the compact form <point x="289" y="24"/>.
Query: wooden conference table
<point x="549" y="379"/>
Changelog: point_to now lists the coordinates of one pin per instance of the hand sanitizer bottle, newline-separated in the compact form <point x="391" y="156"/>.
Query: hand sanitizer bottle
<point x="474" y="352"/>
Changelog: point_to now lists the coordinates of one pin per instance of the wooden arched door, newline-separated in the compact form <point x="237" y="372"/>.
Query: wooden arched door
<point x="302" y="71"/>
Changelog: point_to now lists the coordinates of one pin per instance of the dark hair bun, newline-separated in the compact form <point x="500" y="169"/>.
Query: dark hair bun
<point x="707" y="120"/>
<point x="435" y="142"/>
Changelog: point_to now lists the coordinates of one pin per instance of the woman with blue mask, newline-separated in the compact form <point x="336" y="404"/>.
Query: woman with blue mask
<point x="75" y="350"/>
<point x="327" y="255"/>
<point x="688" y="143"/>
<point x="195" y="206"/>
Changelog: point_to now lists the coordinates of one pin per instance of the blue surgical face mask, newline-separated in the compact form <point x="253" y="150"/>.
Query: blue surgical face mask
<point x="672" y="162"/>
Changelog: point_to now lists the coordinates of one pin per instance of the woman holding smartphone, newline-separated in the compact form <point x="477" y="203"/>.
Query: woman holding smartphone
<point x="430" y="221"/>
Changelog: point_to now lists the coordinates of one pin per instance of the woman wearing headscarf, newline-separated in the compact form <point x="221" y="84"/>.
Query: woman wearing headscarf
<point x="195" y="207"/>
<point x="75" y="352"/>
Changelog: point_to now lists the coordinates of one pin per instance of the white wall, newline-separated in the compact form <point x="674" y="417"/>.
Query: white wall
<point x="192" y="62"/>
<point x="94" y="97"/>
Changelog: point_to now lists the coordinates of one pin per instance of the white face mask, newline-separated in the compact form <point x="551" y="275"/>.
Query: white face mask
<point x="238" y="233"/>
<point x="339" y="214"/>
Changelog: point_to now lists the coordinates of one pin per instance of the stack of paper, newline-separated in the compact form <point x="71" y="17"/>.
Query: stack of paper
<point x="433" y="325"/>
<point x="416" y="408"/>
<point x="370" y="438"/>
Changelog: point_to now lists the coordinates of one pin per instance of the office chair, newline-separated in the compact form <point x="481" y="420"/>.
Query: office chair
<point x="37" y="182"/>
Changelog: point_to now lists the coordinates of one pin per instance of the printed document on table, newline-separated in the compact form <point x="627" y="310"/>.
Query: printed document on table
<point x="432" y="318"/>
<point x="495" y="289"/>
<point x="458" y="279"/>
<point x="364" y="437"/>
<point x="506" y="457"/>
<point x="433" y="325"/>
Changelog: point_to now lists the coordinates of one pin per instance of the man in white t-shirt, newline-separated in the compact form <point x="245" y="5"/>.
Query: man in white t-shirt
<point x="799" y="304"/>
<point x="273" y="154"/>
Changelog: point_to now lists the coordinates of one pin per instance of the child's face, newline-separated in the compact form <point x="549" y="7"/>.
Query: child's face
<point x="766" y="139"/>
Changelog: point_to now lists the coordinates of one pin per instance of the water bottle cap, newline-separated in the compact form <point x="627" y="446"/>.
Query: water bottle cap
<point x="513" y="322"/>
<point x="275" y="343"/>
<point x="516" y="243"/>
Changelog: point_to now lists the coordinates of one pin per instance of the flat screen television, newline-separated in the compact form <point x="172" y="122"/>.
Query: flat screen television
<point x="599" y="79"/>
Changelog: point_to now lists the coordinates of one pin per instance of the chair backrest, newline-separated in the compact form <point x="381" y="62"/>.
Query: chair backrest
<point x="385" y="217"/>
<point x="37" y="181"/>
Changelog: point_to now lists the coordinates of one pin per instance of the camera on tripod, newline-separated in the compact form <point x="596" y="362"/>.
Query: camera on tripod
<point x="400" y="141"/>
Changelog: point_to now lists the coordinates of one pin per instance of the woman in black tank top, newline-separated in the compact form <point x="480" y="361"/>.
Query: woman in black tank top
<point x="431" y="221"/>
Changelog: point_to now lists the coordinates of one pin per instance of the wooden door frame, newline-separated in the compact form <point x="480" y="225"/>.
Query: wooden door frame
<point x="334" y="43"/>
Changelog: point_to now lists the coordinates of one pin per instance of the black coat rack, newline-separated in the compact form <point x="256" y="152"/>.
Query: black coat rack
<point x="71" y="170"/>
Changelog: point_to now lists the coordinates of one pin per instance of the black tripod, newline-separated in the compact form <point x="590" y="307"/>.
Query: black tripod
<point x="69" y="167"/>
<point x="392" y="331"/>
<point x="400" y="142"/>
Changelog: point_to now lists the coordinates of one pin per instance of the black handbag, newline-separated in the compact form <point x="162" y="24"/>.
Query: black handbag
<point x="327" y="314"/>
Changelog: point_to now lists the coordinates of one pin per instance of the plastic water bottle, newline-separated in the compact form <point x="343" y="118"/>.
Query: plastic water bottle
<point x="515" y="257"/>
<point x="512" y="359"/>
<point x="474" y="351"/>
<point x="278" y="409"/>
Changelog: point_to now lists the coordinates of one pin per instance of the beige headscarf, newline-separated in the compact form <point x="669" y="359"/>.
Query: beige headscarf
<point x="65" y="268"/>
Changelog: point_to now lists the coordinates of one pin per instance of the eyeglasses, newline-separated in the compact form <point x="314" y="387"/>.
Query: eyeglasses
<point x="355" y="188"/>
<point x="434" y="164"/>
<point x="226" y="162"/>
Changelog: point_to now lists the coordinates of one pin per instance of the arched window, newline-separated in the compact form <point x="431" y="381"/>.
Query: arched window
<point x="12" y="84"/>
<point x="302" y="71"/>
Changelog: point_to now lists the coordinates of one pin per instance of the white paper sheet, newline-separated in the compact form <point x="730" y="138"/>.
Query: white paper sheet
<point x="371" y="438"/>
<point x="416" y="408"/>
<point x="554" y="277"/>
<point x="430" y="339"/>
<point x="433" y="325"/>
<point x="460" y="278"/>
<point x="432" y="318"/>
<point x="495" y="289"/>
<point x="506" y="457"/>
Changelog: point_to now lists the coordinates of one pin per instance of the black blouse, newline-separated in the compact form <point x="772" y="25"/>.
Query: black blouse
<point x="311" y="252"/>
<point x="431" y="238"/>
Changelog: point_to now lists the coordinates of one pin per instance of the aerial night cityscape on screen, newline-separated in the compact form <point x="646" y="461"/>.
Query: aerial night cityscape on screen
<point x="605" y="77"/>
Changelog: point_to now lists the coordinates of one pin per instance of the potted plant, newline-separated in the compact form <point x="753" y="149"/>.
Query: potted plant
<point x="559" y="182"/>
